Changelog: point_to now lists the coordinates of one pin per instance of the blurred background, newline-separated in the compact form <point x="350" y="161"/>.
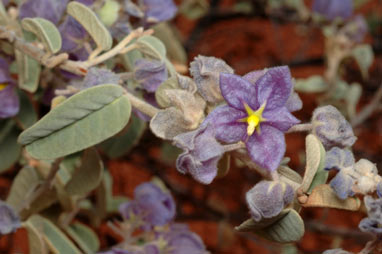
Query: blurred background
<point x="248" y="37"/>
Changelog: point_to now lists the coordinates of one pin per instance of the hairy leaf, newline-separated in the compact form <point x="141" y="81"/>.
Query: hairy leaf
<point x="88" y="176"/>
<point x="364" y="56"/>
<point x="10" y="150"/>
<point x="81" y="121"/>
<point x="45" y="31"/>
<point x="27" y="115"/>
<point x="324" y="196"/>
<point x="57" y="241"/>
<point x="85" y="238"/>
<point x="89" y="20"/>
<point x="28" y="72"/>
<point x="37" y="244"/>
<point x="152" y="46"/>
<point x="313" y="84"/>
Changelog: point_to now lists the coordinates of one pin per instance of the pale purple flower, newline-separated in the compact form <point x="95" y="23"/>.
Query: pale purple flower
<point x="373" y="223"/>
<point x="9" y="100"/>
<point x="256" y="114"/>
<point x="9" y="220"/>
<point x="48" y="9"/>
<point x="331" y="127"/>
<point x="332" y="9"/>
<point x="153" y="205"/>
<point x="99" y="76"/>
<point x="159" y="10"/>
<point x="201" y="154"/>
<point x="355" y="29"/>
<point x="342" y="185"/>
<point x="268" y="198"/>
<point x="339" y="158"/>
<point x="73" y="35"/>
<point x="180" y="240"/>
<point x="150" y="73"/>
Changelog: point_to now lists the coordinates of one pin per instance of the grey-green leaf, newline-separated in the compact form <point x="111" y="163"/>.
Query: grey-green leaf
<point x="89" y="20"/>
<point x="28" y="72"/>
<point x="85" y="238"/>
<point x="10" y="150"/>
<point x="314" y="156"/>
<point x="321" y="175"/>
<point x="313" y="84"/>
<point x="121" y="144"/>
<point x="352" y="98"/>
<point x="83" y="120"/>
<point x="3" y="15"/>
<point x="57" y="241"/>
<point x="27" y="115"/>
<point x="37" y="244"/>
<point x="289" y="228"/>
<point x="364" y="56"/>
<point x="251" y="225"/>
<point x="151" y="46"/>
<point x="45" y="31"/>
<point x="88" y="176"/>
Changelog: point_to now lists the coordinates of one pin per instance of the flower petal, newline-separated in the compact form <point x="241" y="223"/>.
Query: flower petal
<point x="294" y="102"/>
<point x="267" y="148"/>
<point x="224" y="120"/>
<point x="274" y="87"/>
<point x="253" y="76"/>
<point x="9" y="102"/>
<point x="237" y="91"/>
<point x="280" y="118"/>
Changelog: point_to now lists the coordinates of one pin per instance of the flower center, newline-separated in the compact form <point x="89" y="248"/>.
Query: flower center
<point x="3" y="85"/>
<point x="253" y="119"/>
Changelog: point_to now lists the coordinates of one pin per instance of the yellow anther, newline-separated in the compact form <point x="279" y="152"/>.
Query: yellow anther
<point x="253" y="119"/>
<point x="3" y="85"/>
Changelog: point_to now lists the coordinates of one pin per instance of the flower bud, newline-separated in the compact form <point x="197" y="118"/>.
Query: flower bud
<point x="268" y="198"/>
<point x="331" y="127"/>
<point x="150" y="73"/>
<point x="9" y="220"/>
<point x="373" y="222"/>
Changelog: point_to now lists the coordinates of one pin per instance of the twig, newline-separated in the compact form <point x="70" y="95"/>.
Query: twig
<point x="369" y="109"/>
<point x="301" y="127"/>
<point x="47" y="184"/>
<point x="141" y="105"/>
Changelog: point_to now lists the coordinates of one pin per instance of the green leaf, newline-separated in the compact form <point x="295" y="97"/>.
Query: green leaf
<point x="109" y="12"/>
<point x="289" y="228"/>
<point x="45" y="31"/>
<point x="352" y="98"/>
<point x="84" y="236"/>
<point x="364" y="56"/>
<point x="10" y="150"/>
<point x="130" y="58"/>
<point x="57" y="241"/>
<point x="194" y="9"/>
<point x="251" y="225"/>
<point x="3" y="15"/>
<point x="121" y="144"/>
<point x="36" y="241"/>
<point x="313" y="84"/>
<point x="314" y="156"/>
<point x="324" y="196"/>
<point x="89" y="20"/>
<point x="321" y="175"/>
<point x="83" y="120"/>
<point x="27" y="116"/>
<point x="88" y="176"/>
<point x="28" y="72"/>
<point x="114" y="203"/>
<point x="168" y="36"/>
<point x="24" y="183"/>
<point x="152" y="46"/>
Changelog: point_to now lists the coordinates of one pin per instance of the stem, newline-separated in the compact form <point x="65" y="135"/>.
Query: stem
<point x="369" y="109"/>
<point x="47" y="184"/>
<point x="233" y="147"/>
<point x="141" y="105"/>
<point x="301" y="127"/>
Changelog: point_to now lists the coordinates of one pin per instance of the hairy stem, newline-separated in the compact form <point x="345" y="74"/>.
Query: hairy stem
<point x="45" y="186"/>
<point x="233" y="147"/>
<point x="141" y="105"/>
<point x="369" y="109"/>
<point x="301" y="127"/>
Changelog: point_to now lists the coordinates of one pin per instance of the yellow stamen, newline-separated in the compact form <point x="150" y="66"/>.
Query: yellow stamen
<point x="3" y="85"/>
<point x="253" y="119"/>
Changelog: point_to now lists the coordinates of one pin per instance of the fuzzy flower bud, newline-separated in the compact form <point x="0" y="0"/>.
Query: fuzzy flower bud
<point x="373" y="223"/>
<point x="268" y="198"/>
<point x="331" y="127"/>
<point x="9" y="220"/>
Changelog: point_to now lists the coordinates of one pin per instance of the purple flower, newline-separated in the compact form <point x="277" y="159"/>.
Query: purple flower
<point x="182" y="241"/>
<point x="373" y="223"/>
<point x="73" y="35"/>
<point x="256" y="114"/>
<point x="99" y="76"/>
<point x="159" y="10"/>
<point x="268" y="198"/>
<point x="331" y="127"/>
<point x="153" y="205"/>
<point x="150" y="73"/>
<point x="339" y="158"/>
<point x="201" y="154"/>
<point x="332" y="9"/>
<point x="342" y="185"/>
<point x="9" y="220"/>
<point x="48" y="9"/>
<point x="9" y="100"/>
<point x="355" y="29"/>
